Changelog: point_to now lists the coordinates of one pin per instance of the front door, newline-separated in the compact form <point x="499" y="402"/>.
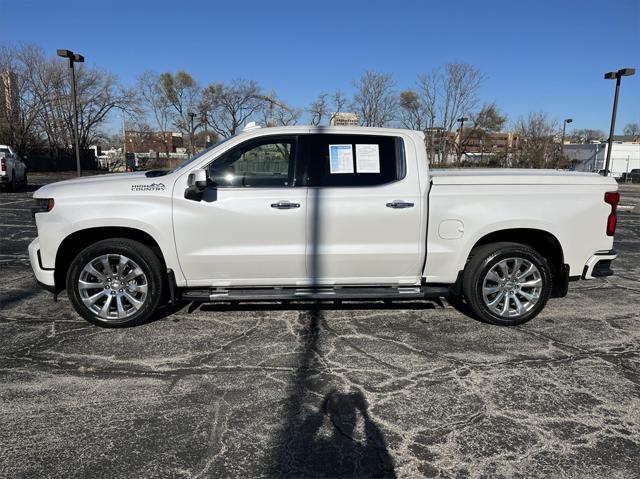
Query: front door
<point x="249" y="228"/>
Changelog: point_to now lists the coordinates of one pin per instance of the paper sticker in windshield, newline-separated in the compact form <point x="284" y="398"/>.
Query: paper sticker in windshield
<point x="340" y="159"/>
<point x="367" y="159"/>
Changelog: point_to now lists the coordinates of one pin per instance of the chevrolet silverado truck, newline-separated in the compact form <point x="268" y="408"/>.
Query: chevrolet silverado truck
<point x="321" y="213"/>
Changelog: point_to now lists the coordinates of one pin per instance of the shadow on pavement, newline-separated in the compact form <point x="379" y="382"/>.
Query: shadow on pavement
<point x="336" y="439"/>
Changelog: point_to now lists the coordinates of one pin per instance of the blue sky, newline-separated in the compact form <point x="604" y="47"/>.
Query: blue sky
<point x="537" y="55"/>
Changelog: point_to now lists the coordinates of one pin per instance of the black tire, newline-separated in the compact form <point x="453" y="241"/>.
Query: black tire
<point x="143" y="257"/>
<point x="486" y="257"/>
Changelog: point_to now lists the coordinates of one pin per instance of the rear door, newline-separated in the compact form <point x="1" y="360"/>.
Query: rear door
<point x="364" y="211"/>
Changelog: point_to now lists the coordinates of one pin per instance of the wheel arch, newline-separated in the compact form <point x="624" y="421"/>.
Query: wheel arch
<point x="542" y="241"/>
<point x="78" y="240"/>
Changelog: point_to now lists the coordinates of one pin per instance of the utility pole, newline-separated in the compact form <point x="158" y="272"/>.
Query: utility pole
<point x="124" y="135"/>
<point x="73" y="58"/>
<point x="461" y="120"/>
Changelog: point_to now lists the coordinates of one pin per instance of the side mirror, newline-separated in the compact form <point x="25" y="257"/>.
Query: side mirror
<point x="197" y="179"/>
<point x="196" y="184"/>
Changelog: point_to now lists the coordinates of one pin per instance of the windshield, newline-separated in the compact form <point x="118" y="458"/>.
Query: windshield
<point x="198" y="155"/>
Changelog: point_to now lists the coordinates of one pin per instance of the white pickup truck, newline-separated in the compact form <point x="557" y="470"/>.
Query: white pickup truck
<point x="321" y="213"/>
<point x="13" y="171"/>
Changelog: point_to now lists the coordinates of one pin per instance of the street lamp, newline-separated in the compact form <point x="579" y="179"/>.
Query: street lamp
<point x="564" y="127"/>
<point x="73" y="58"/>
<point x="191" y="116"/>
<point x="461" y="120"/>
<point x="624" y="72"/>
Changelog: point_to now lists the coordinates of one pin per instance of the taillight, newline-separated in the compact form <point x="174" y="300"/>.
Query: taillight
<point x="3" y="165"/>
<point x="612" y="198"/>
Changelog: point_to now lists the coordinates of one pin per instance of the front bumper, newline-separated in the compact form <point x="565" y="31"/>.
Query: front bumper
<point x="599" y="265"/>
<point x="44" y="276"/>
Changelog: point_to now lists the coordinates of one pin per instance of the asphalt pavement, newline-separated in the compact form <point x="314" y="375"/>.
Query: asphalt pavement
<point x="362" y="389"/>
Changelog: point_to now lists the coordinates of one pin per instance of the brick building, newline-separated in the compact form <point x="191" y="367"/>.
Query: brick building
<point x="146" y="141"/>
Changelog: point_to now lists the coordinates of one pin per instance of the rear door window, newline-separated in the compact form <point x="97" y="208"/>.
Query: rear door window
<point x="354" y="160"/>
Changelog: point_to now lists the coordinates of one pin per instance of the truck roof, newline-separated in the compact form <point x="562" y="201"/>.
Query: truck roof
<point x="355" y="130"/>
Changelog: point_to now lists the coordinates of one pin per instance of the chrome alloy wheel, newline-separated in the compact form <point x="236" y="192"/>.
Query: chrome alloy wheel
<point x="512" y="287"/>
<point x="113" y="286"/>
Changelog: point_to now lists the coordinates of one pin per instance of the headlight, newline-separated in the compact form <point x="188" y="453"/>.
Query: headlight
<point x="43" y="205"/>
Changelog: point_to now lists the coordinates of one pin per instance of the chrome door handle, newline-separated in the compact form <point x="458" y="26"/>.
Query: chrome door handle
<point x="285" y="205"/>
<point x="397" y="204"/>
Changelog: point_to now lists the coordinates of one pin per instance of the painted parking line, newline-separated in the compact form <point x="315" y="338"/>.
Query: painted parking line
<point x="14" y="202"/>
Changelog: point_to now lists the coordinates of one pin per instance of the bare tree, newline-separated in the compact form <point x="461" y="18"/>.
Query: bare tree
<point x="447" y="94"/>
<point x="43" y="90"/>
<point x="586" y="135"/>
<point x="157" y="105"/>
<point x="487" y="120"/>
<point x="98" y="94"/>
<point x="18" y="123"/>
<point x="232" y="105"/>
<point x="374" y="100"/>
<point x="536" y="141"/>
<point x="183" y="93"/>
<point x="632" y="129"/>
<point x="339" y="101"/>
<point x="413" y="114"/>
<point x="318" y="109"/>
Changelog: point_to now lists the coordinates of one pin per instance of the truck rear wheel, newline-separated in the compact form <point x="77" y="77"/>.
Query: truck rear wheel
<point x="115" y="283"/>
<point x="506" y="283"/>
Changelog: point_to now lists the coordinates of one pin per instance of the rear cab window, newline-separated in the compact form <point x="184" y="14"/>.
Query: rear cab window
<point x="336" y="160"/>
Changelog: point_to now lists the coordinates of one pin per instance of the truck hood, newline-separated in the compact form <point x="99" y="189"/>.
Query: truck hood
<point x="514" y="176"/>
<point x="118" y="183"/>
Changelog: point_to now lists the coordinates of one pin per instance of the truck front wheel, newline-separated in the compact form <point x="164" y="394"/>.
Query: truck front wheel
<point x="115" y="283"/>
<point x="506" y="283"/>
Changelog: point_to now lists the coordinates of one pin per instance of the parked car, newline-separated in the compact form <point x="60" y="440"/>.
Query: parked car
<point x="13" y="171"/>
<point x="632" y="176"/>
<point x="322" y="213"/>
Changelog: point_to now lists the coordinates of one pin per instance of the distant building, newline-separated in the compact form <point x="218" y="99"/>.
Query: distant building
<point x="344" y="118"/>
<point x="146" y="141"/>
<point x="625" y="156"/>
<point x="474" y="141"/>
<point x="627" y="138"/>
<point x="473" y="144"/>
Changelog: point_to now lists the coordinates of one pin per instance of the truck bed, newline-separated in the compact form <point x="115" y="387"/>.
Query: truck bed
<point x="512" y="176"/>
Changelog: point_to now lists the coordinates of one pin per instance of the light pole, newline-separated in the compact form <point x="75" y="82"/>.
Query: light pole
<point x="204" y="122"/>
<point x="460" y="120"/>
<point x="191" y="116"/>
<point x="564" y="127"/>
<point x="73" y="58"/>
<point x="624" y="72"/>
